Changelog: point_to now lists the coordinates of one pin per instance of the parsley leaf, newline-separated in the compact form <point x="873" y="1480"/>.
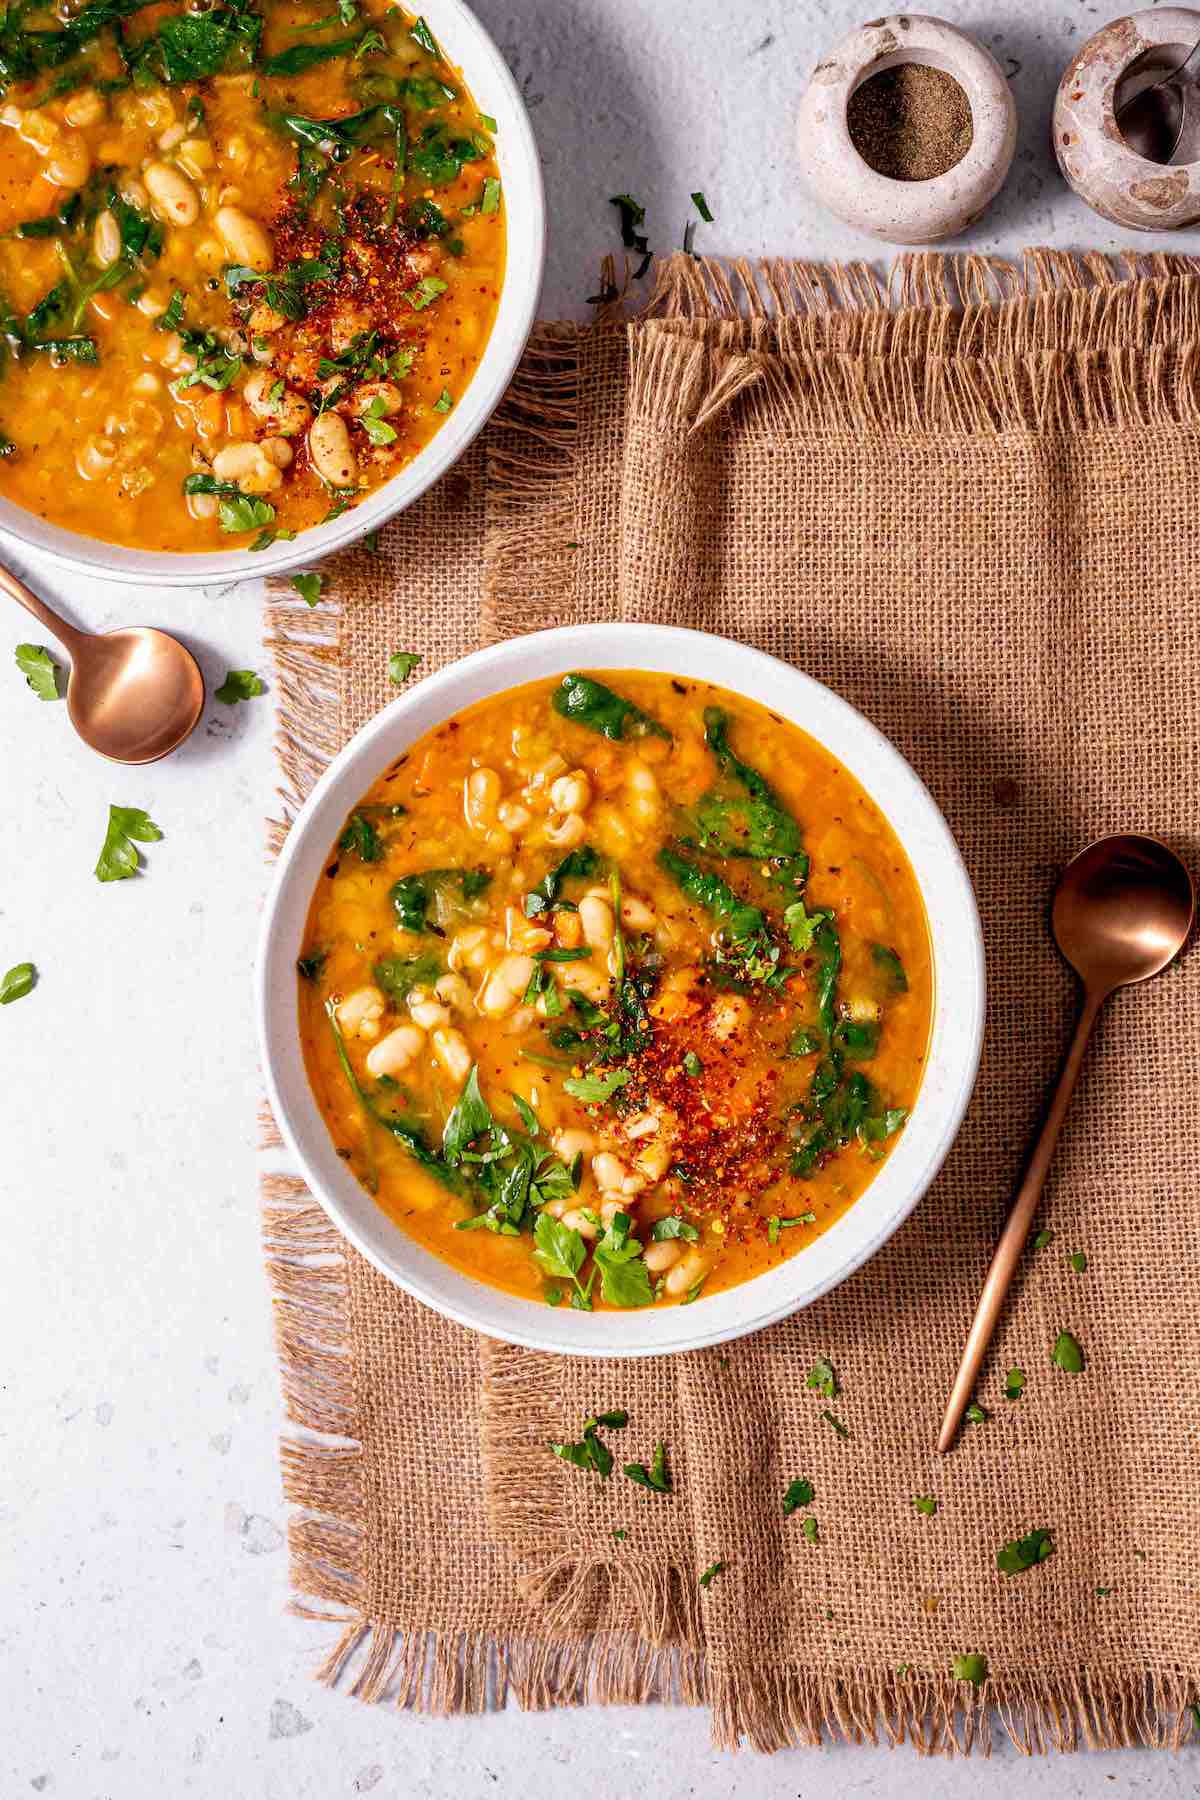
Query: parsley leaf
<point x="1045" y="1236"/>
<point x="821" y="1376"/>
<point x="810" y="1528"/>
<point x="1067" y="1354"/>
<point x="312" y="965"/>
<point x="239" y="684"/>
<point x="624" y="1278"/>
<point x="692" y="1064"/>
<point x="425" y="292"/>
<point x="925" y="1504"/>
<point x="245" y="513"/>
<point x="470" y="1118"/>
<point x="836" y="1424"/>
<point x="1024" y="1553"/>
<point x="657" y="1477"/>
<point x="39" y="669"/>
<point x="119" y="855"/>
<point x="1077" y="1261"/>
<point x="594" y="1088"/>
<point x="1014" y="1385"/>
<point x="443" y="403"/>
<point x="975" y="1413"/>
<point x="663" y="1230"/>
<point x="401" y="664"/>
<point x="799" y="1493"/>
<point x="710" y="1574"/>
<point x="17" y="982"/>
<point x="308" y="586"/>
<point x="972" y="1667"/>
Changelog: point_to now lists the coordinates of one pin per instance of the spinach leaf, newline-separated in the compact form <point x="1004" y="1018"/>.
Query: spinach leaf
<point x="752" y="823"/>
<point x="360" y="838"/>
<point x="890" y="967"/>
<point x="447" y="891"/>
<point x="196" y="46"/>
<point x="398" y="975"/>
<point x="709" y="891"/>
<point x="301" y="57"/>
<point x="582" y="863"/>
<point x="590" y="703"/>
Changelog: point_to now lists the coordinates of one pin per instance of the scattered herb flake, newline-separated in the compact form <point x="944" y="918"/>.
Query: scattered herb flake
<point x="975" y="1413"/>
<point x="811" y="1529"/>
<point x="308" y="586"/>
<point x="620" y="1534"/>
<point x="120" y="858"/>
<point x="1045" y="1236"/>
<point x="692" y="1064"/>
<point x="799" y="1493"/>
<point x="972" y="1667"/>
<point x="1024" y="1553"/>
<point x="443" y="403"/>
<point x="401" y="664"/>
<point x="17" y="982"/>
<point x="312" y="965"/>
<point x="239" y="684"/>
<point x="701" y="206"/>
<point x="1077" y="1261"/>
<point x="657" y="1477"/>
<point x="710" y="1574"/>
<point x="1014" y="1384"/>
<point x="40" y="670"/>
<point x="822" y="1377"/>
<point x="836" y="1423"/>
<point x="925" y="1504"/>
<point x="1067" y="1354"/>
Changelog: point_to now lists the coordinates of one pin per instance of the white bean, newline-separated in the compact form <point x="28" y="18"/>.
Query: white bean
<point x="513" y="816"/>
<point x="727" y="1015"/>
<point x="70" y="161"/>
<point x="609" y="1172"/>
<point x="249" y="466"/>
<point x="395" y="1051"/>
<point x="450" y="1048"/>
<point x="453" y="991"/>
<point x="567" y="833"/>
<point x="571" y="793"/>
<point x="470" y="948"/>
<point x="360" y="1012"/>
<point x="84" y="108"/>
<point x="660" y="1257"/>
<point x="644" y="1125"/>
<point x="635" y="914"/>
<point x="481" y="799"/>
<point x="172" y="194"/>
<point x="642" y="790"/>
<point x="570" y="1144"/>
<point x="687" y="1271"/>
<point x="596" y="917"/>
<point x="245" y="239"/>
<point x="504" y="986"/>
<point x="267" y="398"/>
<point x="331" y="451"/>
<point x="428" y="1014"/>
<point x="578" y="1221"/>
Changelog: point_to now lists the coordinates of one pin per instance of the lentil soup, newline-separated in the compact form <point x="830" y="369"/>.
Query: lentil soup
<point x="617" y="992"/>
<point x="250" y="256"/>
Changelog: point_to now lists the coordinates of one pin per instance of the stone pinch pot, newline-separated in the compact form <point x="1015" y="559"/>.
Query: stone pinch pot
<point x="1110" y="69"/>
<point x="906" y="212"/>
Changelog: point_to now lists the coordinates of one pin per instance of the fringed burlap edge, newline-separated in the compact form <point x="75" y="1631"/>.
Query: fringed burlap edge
<point x="1054" y="307"/>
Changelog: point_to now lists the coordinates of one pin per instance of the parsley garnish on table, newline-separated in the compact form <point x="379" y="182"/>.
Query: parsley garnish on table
<point x="401" y="664"/>
<point x="590" y="1452"/>
<point x="120" y="858"/>
<point x="308" y="586"/>
<point x="657" y="1477"/>
<point x="17" y="982"/>
<point x="822" y="1377"/>
<point x="972" y="1667"/>
<point x="239" y="684"/>
<point x="710" y="1574"/>
<point x="1025" y="1552"/>
<point x="1067" y="1354"/>
<point x="799" y="1493"/>
<point x="40" y="670"/>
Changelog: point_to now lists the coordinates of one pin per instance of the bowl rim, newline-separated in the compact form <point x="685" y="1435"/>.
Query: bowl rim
<point x="466" y="38"/>
<point x="956" y="1032"/>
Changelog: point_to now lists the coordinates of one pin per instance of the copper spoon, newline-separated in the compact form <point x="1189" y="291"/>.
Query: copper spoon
<point x="133" y="695"/>
<point x="1122" y="910"/>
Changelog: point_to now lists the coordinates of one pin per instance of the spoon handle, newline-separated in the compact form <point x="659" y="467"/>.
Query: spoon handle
<point x="1016" y="1229"/>
<point x="71" y="639"/>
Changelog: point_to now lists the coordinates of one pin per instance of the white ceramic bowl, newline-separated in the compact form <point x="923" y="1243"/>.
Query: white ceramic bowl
<point x="468" y="47"/>
<point x="958" y="1003"/>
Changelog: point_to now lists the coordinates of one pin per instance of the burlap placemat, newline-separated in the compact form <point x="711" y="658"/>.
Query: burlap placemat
<point x="966" y="505"/>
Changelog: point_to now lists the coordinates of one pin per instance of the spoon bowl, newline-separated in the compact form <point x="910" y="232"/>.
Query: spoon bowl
<point x="1123" y="909"/>
<point x="135" y="695"/>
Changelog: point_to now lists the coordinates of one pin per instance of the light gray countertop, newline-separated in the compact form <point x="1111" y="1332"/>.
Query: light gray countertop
<point x="144" y="1649"/>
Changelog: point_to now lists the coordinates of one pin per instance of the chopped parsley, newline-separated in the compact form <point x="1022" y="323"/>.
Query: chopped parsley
<point x="975" y="1413"/>
<point x="1025" y="1553"/>
<point x="925" y="1504"/>
<point x="657" y="1477"/>
<point x="401" y="664"/>
<point x="590" y="1452"/>
<point x="17" y="982"/>
<point x="1077" y="1261"/>
<point x="972" y="1667"/>
<point x="120" y="858"/>
<point x="443" y="403"/>
<point x="836" y="1424"/>
<point x="692" y="1064"/>
<point x="426" y="291"/>
<point x="1045" y="1236"/>
<point x="592" y="1089"/>
<point x="810" y="1529"/>
<point x="799" y="1493"/>
<point x="1067" y="1354"/>
<point x="40" y="670"/>
<point x="1014" y="1384"/>
<point x="710" y="1574"/>
<point x="822" y="1377"/>
<point x="308" y="586"/>
<point x="312" y="966"/>
<point x="239" y="684"/>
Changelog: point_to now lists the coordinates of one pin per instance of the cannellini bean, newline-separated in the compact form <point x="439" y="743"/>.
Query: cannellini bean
<point x="661" y="1257"/>
<point x="513" y="816"/>
<point x="105" y="240"/>
<point x="571" y="793"/>
<point x="504" y="986"/>
<point x="278" y="451"/>
<point x="521" y="933"/>
<point x="481" y="798"/>
<point x="570" y="1144"/>
<point x="348" y="323"/>
<point x="70" y="161"/>
<point x="267" y="398"/>
<point x="147" y="383"/>
<point x="633" y="1184"/>
<point x="654" y="1161"/>
<point x="642" y="791"/>
<point x="246" y="464"/>
<point x="567" y="833"/>
<point x="547" y="771"/>
<point x="590" y="980"/>
<point x="609" y="1210"/>
<point x="331" y="451"/>
<point x="450" y="1048"/>
<point x="687" y="1271"/>
<point x="428" y="1014"/>
<point x="556" y="1208"/>
<point x="579" y="1221"/>
<point x="152" y="306"/>
<point x="520" y="1021"/>
<point x="95" y="457"/>
<point x="195" y="155"/>
<point x="360" y="1012"/>
<point x="371" y="391"/>
<point x="174" y="134"/>
<point x="470" y="948"/>
<point x="635" y="914"/>
<point x="84" y="108"/>
<point x="395" y="1051"/>
<point x="453" y="991"/>
<point x="596" y="918"/>
<point x="202" y="506"/>
<point x="245" y="239"/>
<point x="728" y="1015"/>
<point x="645" y="1125"/>
<point x="608" y="1171"/>
<point x="171" y="194"/>
<point x="134" y="193"/>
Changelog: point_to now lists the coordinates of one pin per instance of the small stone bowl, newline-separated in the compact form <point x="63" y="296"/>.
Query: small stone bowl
<point x="1109" y="70"/>
<point x="906" y="212"/>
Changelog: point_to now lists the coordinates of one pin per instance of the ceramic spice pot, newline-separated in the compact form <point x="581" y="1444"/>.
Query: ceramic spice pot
<point x="1108" y="71"/>
<point x="906" y="211"/>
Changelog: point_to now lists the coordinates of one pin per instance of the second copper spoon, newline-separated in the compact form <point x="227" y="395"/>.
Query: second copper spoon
<point x="1122" y="910"/>
<point x="133" y="695"/>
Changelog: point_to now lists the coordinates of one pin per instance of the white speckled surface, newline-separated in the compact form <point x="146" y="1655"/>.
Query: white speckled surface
<point x="144" y="1652"/>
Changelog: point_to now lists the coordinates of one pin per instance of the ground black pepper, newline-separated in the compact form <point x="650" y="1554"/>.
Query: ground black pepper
<point x="911" y="122"/>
